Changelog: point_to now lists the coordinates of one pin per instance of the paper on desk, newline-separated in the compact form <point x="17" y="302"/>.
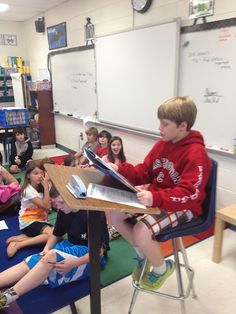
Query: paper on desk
<point x="3" y="225"/>
<point x="113" y="195"/>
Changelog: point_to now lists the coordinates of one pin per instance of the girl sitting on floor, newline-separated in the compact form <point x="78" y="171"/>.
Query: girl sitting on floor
<point x="33" y="215"/>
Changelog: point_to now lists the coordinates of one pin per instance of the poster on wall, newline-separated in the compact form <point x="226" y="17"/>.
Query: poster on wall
<point x="57" y="36"/>
<point x="200" y="8"/>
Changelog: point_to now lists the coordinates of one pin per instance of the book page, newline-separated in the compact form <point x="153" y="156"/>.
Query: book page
<point x="113" y="195"/>
<point x="102" y="166"/>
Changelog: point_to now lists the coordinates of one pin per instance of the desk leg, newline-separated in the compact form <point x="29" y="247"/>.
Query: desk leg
<point x="94" y="231"/>
<point x="218" y="239"/>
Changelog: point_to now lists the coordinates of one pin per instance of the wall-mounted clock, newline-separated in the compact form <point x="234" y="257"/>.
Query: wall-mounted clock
<point x="141" y="6"/>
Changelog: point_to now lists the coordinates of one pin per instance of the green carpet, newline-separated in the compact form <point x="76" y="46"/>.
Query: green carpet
<point x="120" y="262"/>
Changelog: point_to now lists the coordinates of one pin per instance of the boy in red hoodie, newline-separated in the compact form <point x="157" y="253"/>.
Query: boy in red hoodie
<point x="177" y="170"/>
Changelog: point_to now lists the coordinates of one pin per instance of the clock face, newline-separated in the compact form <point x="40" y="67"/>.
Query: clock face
<point x="141" y="6"/>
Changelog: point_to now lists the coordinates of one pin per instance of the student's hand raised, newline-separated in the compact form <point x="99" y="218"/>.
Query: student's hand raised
<point x="45" y="180"/>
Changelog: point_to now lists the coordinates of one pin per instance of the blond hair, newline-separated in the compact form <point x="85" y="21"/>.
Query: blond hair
<point x="178" y="110"/>
<point x="92" y="130"/>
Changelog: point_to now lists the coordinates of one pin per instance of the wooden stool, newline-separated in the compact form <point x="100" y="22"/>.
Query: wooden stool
<point x="227" y="214"/>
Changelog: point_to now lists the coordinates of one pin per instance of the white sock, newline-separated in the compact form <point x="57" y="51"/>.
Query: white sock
<point x="10" y="295"/>
<point x="160" y="270"/>
<point x="139" y="253"/>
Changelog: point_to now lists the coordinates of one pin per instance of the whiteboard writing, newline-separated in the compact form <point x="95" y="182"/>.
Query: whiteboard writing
<point x="207" y="74"/>
<point x="73" y="82"/>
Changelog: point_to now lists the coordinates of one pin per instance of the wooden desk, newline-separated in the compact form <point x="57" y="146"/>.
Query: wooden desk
<point x="60" y="176"/>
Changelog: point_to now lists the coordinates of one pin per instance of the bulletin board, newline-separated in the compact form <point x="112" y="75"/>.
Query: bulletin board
<point x="208" y="75"/>
<point x="73" y="81"/>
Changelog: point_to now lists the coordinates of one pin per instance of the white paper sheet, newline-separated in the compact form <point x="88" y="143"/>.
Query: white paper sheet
<point x="3" y="225"/>
<point x="113" y="195"/>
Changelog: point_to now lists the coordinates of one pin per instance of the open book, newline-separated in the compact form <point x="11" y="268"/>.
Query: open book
<point x="101" y="165"/>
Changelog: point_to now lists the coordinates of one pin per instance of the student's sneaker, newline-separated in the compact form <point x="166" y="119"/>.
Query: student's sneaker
<point x="113" y="233"/>
<point x="3" y="301"/>
<point x="153" y="281"/>
<point x="137" y="270"/>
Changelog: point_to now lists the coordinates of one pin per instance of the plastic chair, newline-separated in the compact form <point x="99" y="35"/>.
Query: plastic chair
<point x="196" y="226"/>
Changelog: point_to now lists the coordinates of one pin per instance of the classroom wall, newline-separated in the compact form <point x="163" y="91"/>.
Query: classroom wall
<point x="12" y="28"/>
<point x="113" y="16"/>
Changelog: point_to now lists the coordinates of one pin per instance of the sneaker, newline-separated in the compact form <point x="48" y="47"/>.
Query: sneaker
<point x="3" y="301"/>
<point x="137" y="270"/>
<point x="113" y="233"/>
<point x="153" y="281"/>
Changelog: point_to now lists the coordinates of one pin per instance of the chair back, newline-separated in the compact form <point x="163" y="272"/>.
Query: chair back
<point x="209" y="204"/>
<point x="202" y="223"/>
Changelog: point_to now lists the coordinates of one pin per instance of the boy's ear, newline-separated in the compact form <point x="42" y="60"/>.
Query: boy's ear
<point x="183" y="126"/>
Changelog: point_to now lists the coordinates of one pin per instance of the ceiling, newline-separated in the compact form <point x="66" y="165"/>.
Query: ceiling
<point x="22" y="10"/>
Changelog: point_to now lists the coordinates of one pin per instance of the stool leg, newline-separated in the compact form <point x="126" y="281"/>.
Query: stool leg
<point x="178" y="275"/>
<point x="189" y="270"/>
<point x="136" y="287"/>
<point x="134" y="297"/>
<point x="218" y="239"/>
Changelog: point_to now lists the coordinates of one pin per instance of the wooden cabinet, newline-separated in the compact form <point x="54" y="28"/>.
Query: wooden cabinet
<point x="46" y="123"/>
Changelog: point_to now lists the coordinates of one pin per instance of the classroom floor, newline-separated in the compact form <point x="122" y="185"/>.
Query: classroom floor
<point x="215" y="284"/>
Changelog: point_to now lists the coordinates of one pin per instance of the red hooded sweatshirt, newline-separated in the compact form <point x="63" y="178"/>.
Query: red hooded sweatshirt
<point x="177" y="173"/>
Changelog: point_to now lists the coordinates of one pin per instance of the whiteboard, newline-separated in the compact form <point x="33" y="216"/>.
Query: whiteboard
<point x="207" y="74"/>
<point x="136" y="71"/>
<point x="73" y="81"/>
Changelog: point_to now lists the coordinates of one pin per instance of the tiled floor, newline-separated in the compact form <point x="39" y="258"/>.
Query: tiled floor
<point x="215" y="283"/>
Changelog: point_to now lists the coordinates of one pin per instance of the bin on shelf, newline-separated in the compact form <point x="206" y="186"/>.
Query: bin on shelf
<point x="13" y="116"/>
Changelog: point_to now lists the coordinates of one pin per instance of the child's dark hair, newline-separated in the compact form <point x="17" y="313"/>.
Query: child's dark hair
<point x="19" y="130"/>
<point x="106" y="134"/>
<point x="29" y="168"/>
<point x="70" y="160"/>
<point x="121" y="155"/>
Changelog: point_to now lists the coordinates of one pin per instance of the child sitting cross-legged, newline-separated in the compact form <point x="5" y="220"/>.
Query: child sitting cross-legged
<point x="177" y="170"/>
<point x="60" y="262"/>
<point x="33" y="214"/>
<point x="21" y="150"/>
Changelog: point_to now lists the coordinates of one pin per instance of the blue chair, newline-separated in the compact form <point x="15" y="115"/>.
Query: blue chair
<point x="196" y="226"/>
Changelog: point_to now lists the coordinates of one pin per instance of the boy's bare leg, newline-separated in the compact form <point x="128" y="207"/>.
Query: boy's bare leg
<point x="139" y="236"/>
<point x="11" y="275"/>
<point x="142" y="238"/>
<point x="36" y="275"/>
<point x="117" y="220"/>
